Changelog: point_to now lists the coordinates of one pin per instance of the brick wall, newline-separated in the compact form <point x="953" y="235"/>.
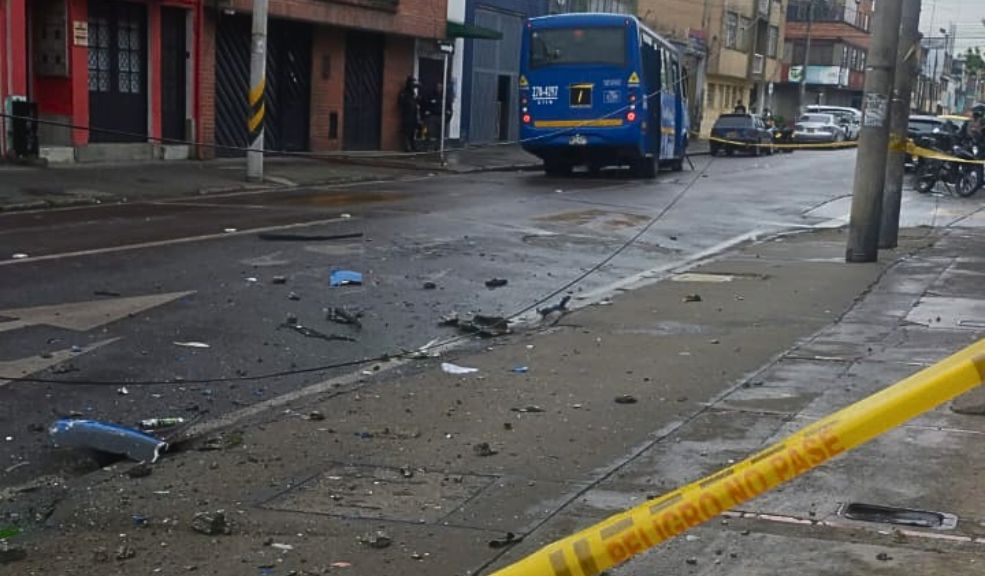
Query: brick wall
<point x="398" y="63"/>
<point x="327" y="83"/>
<point x="206" y="87"/>
<point x="421" y="18"/>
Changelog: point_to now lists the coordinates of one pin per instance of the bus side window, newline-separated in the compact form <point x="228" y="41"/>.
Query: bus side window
<point x="651" y="69"/>
<point x="685" y="84"/>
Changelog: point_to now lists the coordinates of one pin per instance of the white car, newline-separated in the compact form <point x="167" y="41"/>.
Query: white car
<point x="850" y="119"/>
<point x="814" y="127"/>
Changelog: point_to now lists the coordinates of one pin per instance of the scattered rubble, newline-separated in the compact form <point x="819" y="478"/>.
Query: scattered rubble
<point x="692" y="298"/>
<point x="192" y="344"/>
<point x="141" y="470"/>
<point x="341" y="315"/>
<point x="211" y="523"/>
<point x="315" y="416"/>
<point x="508" y="540"/>
<point x="494" y="283"/>
<point x="312" y="333"/>
<point x="430" y="286"/>
<point x="531" y="409"/>
<point x="279" y="280"/>
<point x="377" y="540"/>
<point x="483" y="449"/>
<point x="626" y="399"/>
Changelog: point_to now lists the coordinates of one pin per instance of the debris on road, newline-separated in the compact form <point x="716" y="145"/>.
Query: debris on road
<point x="229" y="230"/>
<point x="692" y="298"/>
<point x="480" y="324"/>
<point x="483" y="449"/>
<point x="13" y="467"/>
<point x="345" y="278"/>
<point x="292" y="237"/>
<point x="281" y="546"/>
<point x="211" y="523"/>
<point x="19" y="256"/>
<point x="508" y="540"/>
<point x="125" y="552"/>
<point x="293" y="296"/>
<point x="315" y="416"/>
<point x="531" y="409"/>
<point x="378" y="540"/>
<point x="312" y="333"/>
<point x="626" y="399"/>
<point x="279" y="280"/>
<point x="341" y="565"/>
<point x="158" y="423"/>
<point x="341" y="315"/>
<point x="496" y="283"/>
<point x="883" y="557"/>
<point x="192" y="344"/>
<point x="555" y="309"/>
<point x="430" y="286"/>
<point x="103" y="437"/>
<point x="122" y="391"/>
<point x="520" y="369"/>
<point x="450" y="368"/>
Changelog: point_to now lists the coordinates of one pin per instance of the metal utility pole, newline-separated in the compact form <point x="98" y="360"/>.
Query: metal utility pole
<point x="906" y="69"/>
<point x="807" y="58"/>
<point x="870" y="166"/>
<point x="258" y="83"/>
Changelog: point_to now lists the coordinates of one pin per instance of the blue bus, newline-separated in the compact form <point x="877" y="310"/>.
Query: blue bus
<point x="601" y="90"/>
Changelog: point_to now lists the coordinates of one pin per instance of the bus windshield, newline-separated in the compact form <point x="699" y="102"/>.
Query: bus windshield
<point x="593" y="46"/>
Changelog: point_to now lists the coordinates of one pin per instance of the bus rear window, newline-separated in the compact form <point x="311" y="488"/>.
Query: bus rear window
<point x="573" y="46"/>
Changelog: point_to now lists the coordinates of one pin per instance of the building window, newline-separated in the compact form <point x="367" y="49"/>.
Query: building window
<point x="772" y="41"/>
<point x="731" y="29"/>
<point x="745" y="26"/>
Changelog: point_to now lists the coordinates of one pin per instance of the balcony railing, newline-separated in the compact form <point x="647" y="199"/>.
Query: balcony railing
<point x="829" y="12"/>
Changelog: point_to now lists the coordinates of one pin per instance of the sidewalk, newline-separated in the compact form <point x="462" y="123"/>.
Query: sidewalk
<point x="27" y="188"/>
<point x="408" y="470"/>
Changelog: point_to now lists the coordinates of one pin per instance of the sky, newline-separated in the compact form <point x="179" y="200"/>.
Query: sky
<point x="966" y="15"/>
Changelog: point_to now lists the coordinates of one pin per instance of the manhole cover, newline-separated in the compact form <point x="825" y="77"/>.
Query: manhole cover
<point x="381" y="493"/>
<point x="904" y="516"/>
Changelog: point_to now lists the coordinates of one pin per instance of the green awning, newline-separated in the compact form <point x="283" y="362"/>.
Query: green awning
<point x="459" y="30"/>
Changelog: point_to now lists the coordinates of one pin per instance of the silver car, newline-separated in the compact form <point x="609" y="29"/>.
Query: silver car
<point x="850" y="119"/>
<point x="812" y="128"/>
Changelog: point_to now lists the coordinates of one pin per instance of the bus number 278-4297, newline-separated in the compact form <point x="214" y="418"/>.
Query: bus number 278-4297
<point x="544" y="93"/>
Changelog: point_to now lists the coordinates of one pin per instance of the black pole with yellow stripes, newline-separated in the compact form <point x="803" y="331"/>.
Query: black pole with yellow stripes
<point x="258" y="82"/>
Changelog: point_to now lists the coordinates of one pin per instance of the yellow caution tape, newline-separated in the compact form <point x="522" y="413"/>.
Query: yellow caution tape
<point x="921" y="152"/>
<point x="629" y="533"/>
<point x="817" y="145"/>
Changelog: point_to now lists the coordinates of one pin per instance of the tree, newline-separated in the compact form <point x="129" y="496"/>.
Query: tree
<point x="974" y="62"/>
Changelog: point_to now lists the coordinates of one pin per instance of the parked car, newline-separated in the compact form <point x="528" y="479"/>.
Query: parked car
<point x="850" y="119"/>
<point x="813" y="128"/>
<point x="745" y="132"/>
<point x="922" y="125"/>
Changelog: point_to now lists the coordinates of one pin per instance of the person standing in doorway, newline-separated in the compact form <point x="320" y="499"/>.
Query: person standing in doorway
<point x="410" y="114"/>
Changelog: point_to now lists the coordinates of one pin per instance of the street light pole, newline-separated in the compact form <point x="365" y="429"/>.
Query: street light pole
<point x="258" y="82"/>
<point x="807" y="58"/>
<point x="870" y="165"/>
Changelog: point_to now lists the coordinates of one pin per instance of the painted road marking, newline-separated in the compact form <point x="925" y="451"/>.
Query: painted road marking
<point x="82" y="316"/>
<point x="169" y="242"/>
<point x="27" y="366"/>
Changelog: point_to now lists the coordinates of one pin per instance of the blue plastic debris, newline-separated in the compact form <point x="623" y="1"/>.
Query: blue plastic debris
<point x="345" y="278"/>
<point x="105" y="437"/>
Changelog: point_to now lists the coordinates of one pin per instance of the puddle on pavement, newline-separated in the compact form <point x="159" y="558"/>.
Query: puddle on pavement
<point x="902" y="516"/>
<point x="595" y="216"/>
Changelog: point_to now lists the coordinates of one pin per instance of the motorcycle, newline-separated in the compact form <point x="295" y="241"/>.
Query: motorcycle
<point x="964" y="178"/>
<point x="783" y="136"/>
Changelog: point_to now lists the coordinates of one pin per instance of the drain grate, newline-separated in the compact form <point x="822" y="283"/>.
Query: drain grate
<point x="902" y="516"/>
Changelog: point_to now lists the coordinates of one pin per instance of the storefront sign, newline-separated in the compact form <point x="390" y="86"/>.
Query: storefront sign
<point x="80" y="33"/>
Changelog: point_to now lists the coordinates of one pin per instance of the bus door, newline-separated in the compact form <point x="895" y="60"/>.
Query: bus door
<point x="651" y="73"/>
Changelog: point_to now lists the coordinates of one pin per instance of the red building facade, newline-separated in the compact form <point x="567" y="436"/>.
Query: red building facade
<point x="165" y="74"/>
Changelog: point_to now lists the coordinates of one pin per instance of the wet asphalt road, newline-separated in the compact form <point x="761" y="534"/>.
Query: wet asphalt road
<point x="454" y="231"/>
